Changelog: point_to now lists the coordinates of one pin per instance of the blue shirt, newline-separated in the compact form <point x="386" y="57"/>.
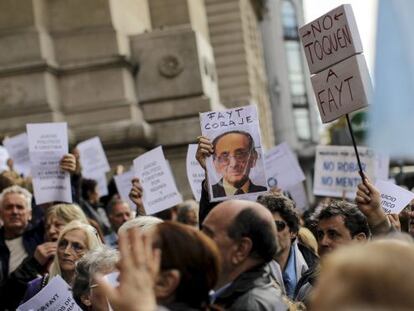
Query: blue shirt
<point x="289" y="274"/>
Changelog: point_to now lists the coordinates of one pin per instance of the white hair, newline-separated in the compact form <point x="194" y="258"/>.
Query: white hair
<point x="142" y="222"/>
<point x="18" y="190"/>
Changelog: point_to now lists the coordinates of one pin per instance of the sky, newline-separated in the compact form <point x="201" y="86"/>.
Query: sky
<point x="365" y="12"/>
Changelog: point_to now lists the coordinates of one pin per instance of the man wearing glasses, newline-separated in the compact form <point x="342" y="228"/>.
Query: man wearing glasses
<point x="234" y="156"/>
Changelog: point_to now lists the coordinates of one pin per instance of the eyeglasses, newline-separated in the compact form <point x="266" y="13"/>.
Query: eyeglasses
<point x="280" y="225"/>
<point x="75" y="246"/>
<point x="240" y="156"/>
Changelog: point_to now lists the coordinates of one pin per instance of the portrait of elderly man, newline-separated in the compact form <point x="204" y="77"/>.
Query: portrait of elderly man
<point x="234" y="156"/>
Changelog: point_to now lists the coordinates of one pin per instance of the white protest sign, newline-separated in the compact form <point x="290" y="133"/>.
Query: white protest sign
<point x="4" y="156"/>
<point x="282" y="167"/>
<point x="195" y="173"/>
<point x="343" y="88"/>
<point x="159" y="188"/>
<point x="48" y="143"/>
<point x="393" y="197"/>
<point x="18" y="149"/>
<point x="92" y="157"/>
<point x="336" y="170"/>
<point x="123" y="184"/>
<point x="55" y="296"/>
<point x="330" y="38"/>
<point x="236" y="169"/>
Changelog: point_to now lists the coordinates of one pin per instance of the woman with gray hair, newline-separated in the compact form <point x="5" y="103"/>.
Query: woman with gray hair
<point x="86" y="293"/>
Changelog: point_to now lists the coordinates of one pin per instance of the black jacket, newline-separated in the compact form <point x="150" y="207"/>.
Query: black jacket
<point x="252" y="290"/>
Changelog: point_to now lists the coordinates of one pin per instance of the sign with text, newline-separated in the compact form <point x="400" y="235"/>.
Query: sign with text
<point x="56" y="295"/>
<point x="343" y="88"/>
<point x="48" y="143"/>
<point x="331" y="38"/>
<point x="123" y="184"/>
<point x="159" y="188"/>
<point x="282" y="167"/>
<point x="236" y="169"/>
<point x="92" y="157"/>
<point x="195" y="173"/>
<point x="336" y="170"/>
<point x="18" y="149"/>
<point x="4" y="156"/>
<point x="393" y="197"/>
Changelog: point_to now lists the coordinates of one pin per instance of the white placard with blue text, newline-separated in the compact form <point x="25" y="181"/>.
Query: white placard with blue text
<point x="241" y="119"/>
<point x="393" y="197"/>
<point x="159" y="189"/>
<point x="336" y="170"/>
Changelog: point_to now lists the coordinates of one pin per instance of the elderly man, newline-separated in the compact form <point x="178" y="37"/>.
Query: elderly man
<point x="246" y="237"/>
<point x="118" y="212"/>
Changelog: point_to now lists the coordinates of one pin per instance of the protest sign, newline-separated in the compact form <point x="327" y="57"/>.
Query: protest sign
<point x="343" y="88"/>
<point x="18" y="149"/>
<point x="92" y="157"/>
<point x="330" y="38"/>
<point x="236" y="169"/>
<point x="282" y="167"/>
<point x="336" y="170"/>
<point x="55" y="296"/>
<point x="195" y="173"/>
<point x="298" y="194"/>
<point x="393" y="197"/>
<point x="48" y="143"/>
<point x="4" y="156"/>
<point x="123" y="184"/>
<point x="159" y="189"/>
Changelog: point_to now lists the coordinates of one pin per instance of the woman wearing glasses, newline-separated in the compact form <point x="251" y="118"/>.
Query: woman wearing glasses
<point x="75" y="240"/>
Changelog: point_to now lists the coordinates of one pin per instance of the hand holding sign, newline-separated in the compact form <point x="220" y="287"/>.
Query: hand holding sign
<point x="136" y="196"/>
<point x="204" y="150"/>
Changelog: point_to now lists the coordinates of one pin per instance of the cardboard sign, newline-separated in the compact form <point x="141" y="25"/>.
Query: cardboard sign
<point x="123" y="184"/>
<point x="195" y="173"/>
<point x="48" y="143"/>
<point x="4" y="156"/>
<point x="18" y="149"/>
<point x="343" y="88"/>
<point x="56" y="295"/>
<point x="282" y="167"/>
<point x="331" y="38"/>
<point x="159" y="189"/>
<point x="236" y="170"/>
<point x="393" y="197"/>
<point x="92" y="157"/>
<point x="336" y="170"/>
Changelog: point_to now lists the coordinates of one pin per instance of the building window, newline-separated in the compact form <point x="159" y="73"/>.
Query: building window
<point x="302" y="124"/>
<point x="290" y="25"/>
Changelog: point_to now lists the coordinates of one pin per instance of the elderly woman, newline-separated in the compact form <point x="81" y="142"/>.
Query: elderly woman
<point x="75" y="240"/>
<point x="87" y="294"/>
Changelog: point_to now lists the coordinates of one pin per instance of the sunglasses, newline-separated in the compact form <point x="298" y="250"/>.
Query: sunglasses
<point x="280" y="225"/>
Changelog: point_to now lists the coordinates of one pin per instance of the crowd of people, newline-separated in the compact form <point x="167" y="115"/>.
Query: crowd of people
<point x="229" y="255"/>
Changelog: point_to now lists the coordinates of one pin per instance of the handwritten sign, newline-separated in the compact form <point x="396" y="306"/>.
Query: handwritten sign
<point x="159" y="189"/>
<point x="195" y="173"/>
<point x="55" y="296"/>
<point x="331" y="38"/>
<point x="4" y="156"/>
<point x="336" y="170"/>
<point x="92" y="157"/>
<point x="48" y="143"/>
<point x="123" y="184"/>
<point x="343" y="88"/>
<point x="282" y="167"/>
<point x="18" y="149"/>
<point x="237" y="167"/>
<point x="393" y="197"/>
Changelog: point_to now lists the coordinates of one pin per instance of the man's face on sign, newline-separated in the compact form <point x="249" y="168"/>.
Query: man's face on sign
<point x="234" y="157"/>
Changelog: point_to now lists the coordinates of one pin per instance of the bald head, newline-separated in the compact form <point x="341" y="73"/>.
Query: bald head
<point x="240" y="219"/>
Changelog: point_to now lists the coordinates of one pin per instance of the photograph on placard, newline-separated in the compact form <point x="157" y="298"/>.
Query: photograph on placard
<point x="236" y="168"/>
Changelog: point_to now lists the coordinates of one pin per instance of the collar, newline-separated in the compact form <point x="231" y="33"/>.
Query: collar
<point x="230" y="189"/>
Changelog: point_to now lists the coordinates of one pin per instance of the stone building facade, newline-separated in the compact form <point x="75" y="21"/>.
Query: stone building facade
<point x="136" y="73"/>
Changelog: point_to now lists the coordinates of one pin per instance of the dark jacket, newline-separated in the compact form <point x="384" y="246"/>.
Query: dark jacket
<point x="205" y="205"/>
<point x="218" y="189"/>
<point x="31" y="239"/>
<point x="252" y="290"/>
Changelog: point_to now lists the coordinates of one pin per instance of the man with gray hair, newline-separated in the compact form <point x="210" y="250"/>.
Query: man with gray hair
<point x="17" y="240"/>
